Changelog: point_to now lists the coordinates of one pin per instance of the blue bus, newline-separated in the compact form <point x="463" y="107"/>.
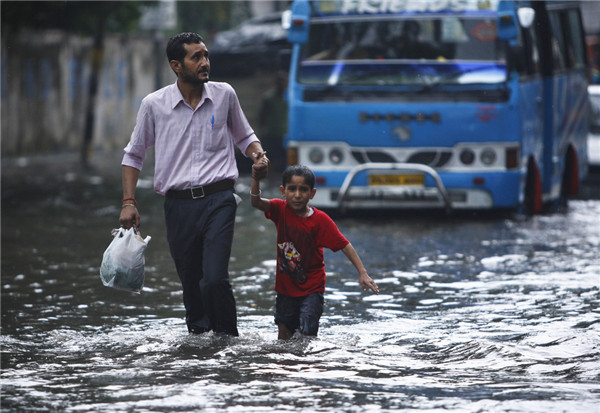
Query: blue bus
<point x="456" y="104"/>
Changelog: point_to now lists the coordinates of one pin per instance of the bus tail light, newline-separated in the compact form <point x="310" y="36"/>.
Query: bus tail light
<point x="299" y="22"/>
<point x="292" y="156"/>
<point x="512" y="158"/>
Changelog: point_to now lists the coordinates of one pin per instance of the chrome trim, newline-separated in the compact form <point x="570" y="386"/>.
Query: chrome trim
<point x="392" y="166"/>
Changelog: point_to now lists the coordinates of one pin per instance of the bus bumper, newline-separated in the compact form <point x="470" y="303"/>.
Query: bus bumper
<point x="446" y="190"/>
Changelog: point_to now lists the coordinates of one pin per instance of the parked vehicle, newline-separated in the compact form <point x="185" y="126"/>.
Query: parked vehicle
<point x="594" y="136"/>
<point x="439" y="104"/>
<point x="258" y="43"/>
<point x="594" y="92"/>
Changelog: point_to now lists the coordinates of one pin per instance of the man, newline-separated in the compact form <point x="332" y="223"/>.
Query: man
<point x="193" y="125"/>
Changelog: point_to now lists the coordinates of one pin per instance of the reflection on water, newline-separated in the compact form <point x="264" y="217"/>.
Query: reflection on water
<point x="476" y="315"/>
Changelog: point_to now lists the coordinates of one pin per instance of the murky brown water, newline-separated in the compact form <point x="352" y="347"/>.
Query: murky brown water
<point x="488" y="314"/>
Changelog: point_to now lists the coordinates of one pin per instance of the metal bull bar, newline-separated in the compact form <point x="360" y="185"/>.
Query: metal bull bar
<point x="392" y="166"/>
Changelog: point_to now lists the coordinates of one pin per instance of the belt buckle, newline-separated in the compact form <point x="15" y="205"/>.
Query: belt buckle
<point x="201" y="195"/>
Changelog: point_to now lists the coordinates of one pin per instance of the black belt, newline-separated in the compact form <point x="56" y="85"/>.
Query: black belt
<point x="201" y="191"/>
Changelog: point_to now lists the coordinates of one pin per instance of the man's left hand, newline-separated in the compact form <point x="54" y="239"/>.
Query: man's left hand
<point x="261" y="165"/>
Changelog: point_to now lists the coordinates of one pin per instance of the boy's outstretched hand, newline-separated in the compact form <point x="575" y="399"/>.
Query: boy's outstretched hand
<point x="367" y="282"/>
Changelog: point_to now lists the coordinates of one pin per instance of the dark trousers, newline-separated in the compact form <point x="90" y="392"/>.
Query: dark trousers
<point x="200" y="234"/>
<point x="300" y="313"/>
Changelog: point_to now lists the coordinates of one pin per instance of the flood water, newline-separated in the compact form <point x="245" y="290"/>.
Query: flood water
<point x="476" y="314"/>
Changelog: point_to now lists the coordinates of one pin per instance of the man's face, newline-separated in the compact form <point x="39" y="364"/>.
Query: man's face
<point x="196" y="66"/>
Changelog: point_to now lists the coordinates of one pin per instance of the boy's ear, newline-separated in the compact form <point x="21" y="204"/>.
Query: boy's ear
<point x="313" y="192"/>
<point x="282" y="189"/>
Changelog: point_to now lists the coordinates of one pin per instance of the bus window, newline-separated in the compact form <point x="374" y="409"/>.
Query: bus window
<point x="530" y="49"/>
<point x="574" y="39"/>
<point x="558" y="44"/>
<point x="383" y="51"/>
<point x="453" y="31"/>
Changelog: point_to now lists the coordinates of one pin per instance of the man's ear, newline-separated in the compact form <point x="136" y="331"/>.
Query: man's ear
<point x="175" y="66"/>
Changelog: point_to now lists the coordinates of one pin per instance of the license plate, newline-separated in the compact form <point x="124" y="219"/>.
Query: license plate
<point x="406" y="180"/>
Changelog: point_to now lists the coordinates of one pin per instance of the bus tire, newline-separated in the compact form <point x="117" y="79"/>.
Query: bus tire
<point x="570" y="178"/>
<point x="532" y="203"/>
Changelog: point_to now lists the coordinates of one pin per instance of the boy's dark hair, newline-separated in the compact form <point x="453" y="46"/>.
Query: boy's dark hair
<point x="175" y="48"/>
<point x="298" y="170"/>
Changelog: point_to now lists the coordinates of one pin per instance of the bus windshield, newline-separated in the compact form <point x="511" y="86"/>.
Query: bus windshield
<point x="441" y="50"/>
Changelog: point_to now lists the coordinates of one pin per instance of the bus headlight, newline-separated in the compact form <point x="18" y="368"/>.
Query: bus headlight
<point x="316" y="155"/>
<point x="467" y="156"/>
<point x="488" y="156"/>
<point x="336" y="156"/>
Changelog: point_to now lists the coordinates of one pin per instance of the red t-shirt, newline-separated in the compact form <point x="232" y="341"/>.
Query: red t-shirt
<point x="300" y="243"/>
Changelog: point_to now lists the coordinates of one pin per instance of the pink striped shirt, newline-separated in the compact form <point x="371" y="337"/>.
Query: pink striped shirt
<point x="191" y="147"/>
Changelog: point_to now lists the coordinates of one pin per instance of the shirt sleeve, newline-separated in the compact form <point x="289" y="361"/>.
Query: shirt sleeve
<point x="241" y="131"/>
<point x="276" y="209"/>
<point x="329" y="234"/>
<point x="141" y="138"/>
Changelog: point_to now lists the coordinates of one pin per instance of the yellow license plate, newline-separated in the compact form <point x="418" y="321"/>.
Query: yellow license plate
<point x="414" y="180"/>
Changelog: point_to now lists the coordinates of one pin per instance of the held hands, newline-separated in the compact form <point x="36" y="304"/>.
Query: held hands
<point x="260" y="168"/>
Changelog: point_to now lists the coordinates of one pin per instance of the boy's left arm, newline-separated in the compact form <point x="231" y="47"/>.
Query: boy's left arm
<point x="365" y="280"/>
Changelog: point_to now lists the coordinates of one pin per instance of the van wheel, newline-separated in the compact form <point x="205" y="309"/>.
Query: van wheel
<point x="533" y="191"/>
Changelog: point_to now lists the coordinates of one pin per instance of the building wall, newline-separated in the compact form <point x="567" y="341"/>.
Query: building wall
<point x="44" y="89"/>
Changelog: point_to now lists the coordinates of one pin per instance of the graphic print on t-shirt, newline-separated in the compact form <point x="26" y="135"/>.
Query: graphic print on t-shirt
<point x="289" y="261"/>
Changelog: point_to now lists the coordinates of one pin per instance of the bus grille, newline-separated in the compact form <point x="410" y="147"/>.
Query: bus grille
<point x="435" y="159"/>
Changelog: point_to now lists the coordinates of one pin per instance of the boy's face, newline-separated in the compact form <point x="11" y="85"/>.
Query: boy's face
<point x="297" y="193"/>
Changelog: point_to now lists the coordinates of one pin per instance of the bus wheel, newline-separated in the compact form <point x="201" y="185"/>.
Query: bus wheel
<point x="533" y="190"/>
<point x="570" y="179"/>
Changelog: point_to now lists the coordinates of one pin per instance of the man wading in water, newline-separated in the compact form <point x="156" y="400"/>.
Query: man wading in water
<point x="193" y="124"/>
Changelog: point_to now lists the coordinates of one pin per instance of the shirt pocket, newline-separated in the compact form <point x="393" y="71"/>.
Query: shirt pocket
<point x="216" y="137"/>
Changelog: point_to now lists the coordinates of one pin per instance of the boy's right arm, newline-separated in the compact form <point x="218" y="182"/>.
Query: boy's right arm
<point x="255" y="198"/>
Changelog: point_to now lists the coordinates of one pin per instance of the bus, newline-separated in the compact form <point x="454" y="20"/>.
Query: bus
<point x="455" y="104"/>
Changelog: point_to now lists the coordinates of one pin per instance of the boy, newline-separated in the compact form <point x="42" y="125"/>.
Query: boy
<point x="302" y="232"/>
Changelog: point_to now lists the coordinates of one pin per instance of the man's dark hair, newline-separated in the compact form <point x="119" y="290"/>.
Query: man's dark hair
<point x="298" y="170"/>
<point x="175" y="48"/>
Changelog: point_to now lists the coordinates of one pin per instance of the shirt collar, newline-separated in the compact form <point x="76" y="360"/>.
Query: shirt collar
<point x="177" y="97"/>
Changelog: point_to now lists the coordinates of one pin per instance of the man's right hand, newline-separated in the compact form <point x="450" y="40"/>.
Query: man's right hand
<point x="130" y="217"/>
<point x="129" y="213"/>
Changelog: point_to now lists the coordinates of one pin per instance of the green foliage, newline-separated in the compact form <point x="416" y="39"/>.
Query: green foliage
<point x="81" y="17"/>
<point x="84" y="17"/>
<point x="205" y="17"/>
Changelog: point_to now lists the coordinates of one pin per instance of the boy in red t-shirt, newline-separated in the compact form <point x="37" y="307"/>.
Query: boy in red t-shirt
<point x="302" y="233"/>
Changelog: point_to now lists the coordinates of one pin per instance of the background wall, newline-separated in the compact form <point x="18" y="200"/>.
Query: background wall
<point x="45" y="81"/>
<point x="45" y="77"/>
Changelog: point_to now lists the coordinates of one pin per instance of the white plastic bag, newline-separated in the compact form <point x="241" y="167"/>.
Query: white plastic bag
<point x="123" y="261"/>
